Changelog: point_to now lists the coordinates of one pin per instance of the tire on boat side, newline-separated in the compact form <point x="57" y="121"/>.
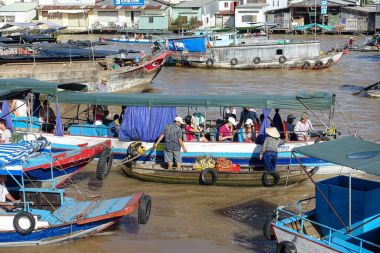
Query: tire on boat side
<point x="319" y="64"/>
<point x="144" y="209"/>
<point x="329" y="62"/>
<point x="210" y="62"/>
<point x="282" y="59"/>
<point x="286" y="247"/>
<point x="20" y="223"/>
<point x="234" y="61"/>
<point x="203" y="179"/>
<point x="266" y="181"/>
<point x="256" y="60"/>
<point x="306" y="65"/>
<point x="104" y="164"/>
<point x="268" y="230"/>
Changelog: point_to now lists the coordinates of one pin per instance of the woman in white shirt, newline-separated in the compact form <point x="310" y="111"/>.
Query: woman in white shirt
<point x="303" y="127"/>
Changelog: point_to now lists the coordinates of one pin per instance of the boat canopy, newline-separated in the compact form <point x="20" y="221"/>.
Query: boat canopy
<point x="39" y="86"/>
<point x="14" y="94"/>
<point x="312" y="101"/>
<point x="347" y="151"/>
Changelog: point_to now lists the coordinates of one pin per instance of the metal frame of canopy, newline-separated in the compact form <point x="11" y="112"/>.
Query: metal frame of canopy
<point x="353" y="151"/>
<point x="310" y="101"/>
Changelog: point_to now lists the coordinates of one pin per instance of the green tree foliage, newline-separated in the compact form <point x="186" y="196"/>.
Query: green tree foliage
<point x="182" y="23"/>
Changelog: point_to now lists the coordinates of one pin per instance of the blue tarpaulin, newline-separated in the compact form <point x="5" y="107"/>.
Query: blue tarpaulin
<point x="6" y="115"/>
<point x="145" y="123"/>
<point x="264" y="125"/>
<point x="58" y="123"/>
<point x="191" y="44"/>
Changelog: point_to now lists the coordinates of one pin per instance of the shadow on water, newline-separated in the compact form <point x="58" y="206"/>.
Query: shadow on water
<point x="253" y="214"/>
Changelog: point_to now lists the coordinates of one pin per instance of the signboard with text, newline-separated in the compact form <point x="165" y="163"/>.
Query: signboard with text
<point x="128" y="2"/>
<point x="324" y="7"/>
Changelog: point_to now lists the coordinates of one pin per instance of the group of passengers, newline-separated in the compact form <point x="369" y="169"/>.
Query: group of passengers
<point x="246" y="129"/>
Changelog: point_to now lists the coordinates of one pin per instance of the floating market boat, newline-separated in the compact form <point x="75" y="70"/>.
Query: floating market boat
<point x="41" y="167"/>
<point x="66" y="64"/>
<point x="134" y="36"/>
<point x="198" y="52"/>
<point x="159" y="110"/>
<point x="347" y="211"/>
<point x="48" y="215"/>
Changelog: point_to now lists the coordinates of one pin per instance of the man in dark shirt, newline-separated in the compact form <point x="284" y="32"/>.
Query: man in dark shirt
<point x="173" y="143"/>
<point x="248" y="113"/>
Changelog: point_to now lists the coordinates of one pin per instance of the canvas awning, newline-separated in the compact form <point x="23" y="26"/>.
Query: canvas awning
<point x="347" y="151"/>
<point x="14" y="94"/>
<point x="314" y="101"/>
<point x="38" y="86"/>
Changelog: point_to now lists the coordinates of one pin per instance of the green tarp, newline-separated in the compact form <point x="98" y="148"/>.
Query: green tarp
<point x="13" y="94"/>
<point x="38" y="86"/>
<point x="347" y="151"/>
<point x="315" y="101"/>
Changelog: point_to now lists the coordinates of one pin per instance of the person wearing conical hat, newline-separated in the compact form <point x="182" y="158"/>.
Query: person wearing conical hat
<point x="269" y="152"/>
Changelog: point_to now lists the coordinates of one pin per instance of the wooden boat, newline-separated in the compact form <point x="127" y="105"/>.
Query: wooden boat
<point x="63" y="165"/>
<point x="128" y="76"/>
<point x="347" y="211"/>
<point x="48" y="215"/>
<point x="239" y="152"/>
<point x="197" y="52"/>
<point x="246" y="177"/>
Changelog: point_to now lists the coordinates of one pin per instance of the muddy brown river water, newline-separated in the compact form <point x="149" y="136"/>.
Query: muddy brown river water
<point x="192" y="218"/>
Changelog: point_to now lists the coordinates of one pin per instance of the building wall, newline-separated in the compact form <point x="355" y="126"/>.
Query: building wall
<point x="243" y="16"/>
<point x="225" y="5"/>
<point x="186" y="12"/>
<point x="358" y="21"/>
<point x="225" y="21"/>
<point x="153" y="22"/>
<point x="23" y="17"/>
<point x="75" y="21"/>
<point x="208" y="14"/>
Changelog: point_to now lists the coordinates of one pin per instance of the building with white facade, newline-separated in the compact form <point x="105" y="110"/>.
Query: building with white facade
<point x="252" y="12"/>
<point x="201" y="10"/>
<point x="18" y="12"/>
<point x="226" y="13"/>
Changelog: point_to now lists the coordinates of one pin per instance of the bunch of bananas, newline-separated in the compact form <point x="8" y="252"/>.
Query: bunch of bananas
<point x="204" y="162"/>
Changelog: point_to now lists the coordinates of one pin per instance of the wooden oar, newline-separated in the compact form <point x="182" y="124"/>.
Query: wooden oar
<point x="366" y="88"/>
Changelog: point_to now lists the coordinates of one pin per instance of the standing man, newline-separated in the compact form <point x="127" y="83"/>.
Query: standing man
<point x="101" y="87"/>
<point x="248" y="113"/>
<point x="173" y="143"/>
<point x="6" y="135"/>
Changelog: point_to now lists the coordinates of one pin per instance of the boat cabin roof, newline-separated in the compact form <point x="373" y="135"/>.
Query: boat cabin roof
<point x="312" y="101"/>
<point x="347" y="151"/>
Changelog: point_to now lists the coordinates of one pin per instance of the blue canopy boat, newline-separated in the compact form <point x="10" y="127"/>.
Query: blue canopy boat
<point x="47" y="215"/>
<point x="347" y="210"/>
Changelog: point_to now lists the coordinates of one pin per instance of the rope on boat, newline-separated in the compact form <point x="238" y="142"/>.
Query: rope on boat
<point x="128" y="159"/>
<point x="351" y="127"/>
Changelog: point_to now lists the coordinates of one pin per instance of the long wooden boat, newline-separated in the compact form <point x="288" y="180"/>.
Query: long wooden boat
<point x="242" y="153"/>
<point x="265" y="55"/>
<point x="137" y="76"/>
<point x="48" y="215"/>
<point x="63" y="165"/>
<point x="246" y="177"/>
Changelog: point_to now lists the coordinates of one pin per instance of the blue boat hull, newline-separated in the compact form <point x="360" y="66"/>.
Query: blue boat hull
<point x="55" y="234"/>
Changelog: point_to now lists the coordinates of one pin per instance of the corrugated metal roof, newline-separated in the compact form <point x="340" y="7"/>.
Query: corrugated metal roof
<point x="18" y="7"/>
<point x="193" y="4"/>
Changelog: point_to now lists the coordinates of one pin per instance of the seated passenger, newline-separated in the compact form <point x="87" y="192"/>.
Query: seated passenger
<point x="226" y="131"/>
<point x="6" y="135"/>
<point x="47" y="116"/>
<point x="249" y="131"/>
<point x="303" y="128"/>
<point x="290" y="127"/>
<point x="4" y="194"/>
<point x="113" y="127"/>
<point x="190" y="131"/>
